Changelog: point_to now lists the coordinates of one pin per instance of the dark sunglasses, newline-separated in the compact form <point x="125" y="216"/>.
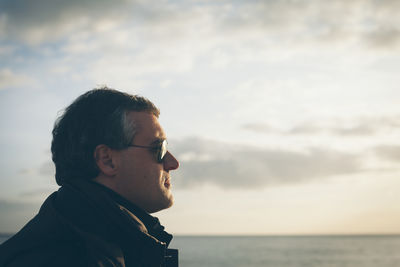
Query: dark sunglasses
<point x="160" y="150"/>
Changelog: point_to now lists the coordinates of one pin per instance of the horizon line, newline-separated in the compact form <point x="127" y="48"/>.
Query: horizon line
<point x="283" y="234"/>
<point x="7" y="234"/>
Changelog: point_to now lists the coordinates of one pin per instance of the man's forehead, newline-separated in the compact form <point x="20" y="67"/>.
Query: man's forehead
<point x="147" y="126"/>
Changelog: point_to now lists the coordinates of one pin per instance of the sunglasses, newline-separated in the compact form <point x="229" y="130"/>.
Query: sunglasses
<point x="159" y="150"/>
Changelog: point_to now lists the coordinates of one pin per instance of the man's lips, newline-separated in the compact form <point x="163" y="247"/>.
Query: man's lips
<point x="167" y="183"/>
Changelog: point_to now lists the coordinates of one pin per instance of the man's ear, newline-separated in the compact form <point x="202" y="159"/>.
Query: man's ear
<point x="106" y="160"/>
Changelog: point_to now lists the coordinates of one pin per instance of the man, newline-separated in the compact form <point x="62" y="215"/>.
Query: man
<point x="113" y="166"/>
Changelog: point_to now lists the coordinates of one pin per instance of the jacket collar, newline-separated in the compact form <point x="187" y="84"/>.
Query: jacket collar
<point x="152" y="224"/>
<point x="99" y="210"/>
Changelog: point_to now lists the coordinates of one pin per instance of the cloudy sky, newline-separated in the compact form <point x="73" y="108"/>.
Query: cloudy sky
<point x="285" y="115"/>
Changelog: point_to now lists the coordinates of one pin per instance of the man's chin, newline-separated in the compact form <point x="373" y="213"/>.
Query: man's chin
<point x="167" y="203"/>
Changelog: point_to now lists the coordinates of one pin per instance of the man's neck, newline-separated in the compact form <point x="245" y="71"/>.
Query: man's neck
<point x="151" y="223"/>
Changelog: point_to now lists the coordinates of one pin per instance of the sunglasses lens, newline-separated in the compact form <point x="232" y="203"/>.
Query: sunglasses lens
<point x="163" y="150"/>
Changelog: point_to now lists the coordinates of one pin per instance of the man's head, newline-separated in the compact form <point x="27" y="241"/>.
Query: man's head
<point x="93" y="140"/>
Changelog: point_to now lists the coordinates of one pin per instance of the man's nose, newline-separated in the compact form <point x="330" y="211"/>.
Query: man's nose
<point x="170" y="162"/>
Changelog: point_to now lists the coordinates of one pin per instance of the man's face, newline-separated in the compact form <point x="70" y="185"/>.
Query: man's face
<point x="141" y="178"/>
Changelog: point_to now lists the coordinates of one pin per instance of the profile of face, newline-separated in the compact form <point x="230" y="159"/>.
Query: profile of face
<point x="138" y="176"/>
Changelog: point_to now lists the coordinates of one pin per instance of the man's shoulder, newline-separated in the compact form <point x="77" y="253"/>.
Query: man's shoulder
<point x="49" y="239"/>
<point x="63" y="248"/>
<point x="47" y="227"/>
<point x="41" y="240"/>
<point x="50" y="254"/>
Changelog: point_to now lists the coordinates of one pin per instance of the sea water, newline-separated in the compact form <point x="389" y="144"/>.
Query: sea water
<point x="289" y="251"/>
<point x="286" y="251"/>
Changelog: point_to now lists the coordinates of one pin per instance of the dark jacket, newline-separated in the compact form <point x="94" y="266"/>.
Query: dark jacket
<point x="87" y="224"/>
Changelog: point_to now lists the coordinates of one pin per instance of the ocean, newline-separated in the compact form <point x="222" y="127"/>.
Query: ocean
<point x="287" y="251"/>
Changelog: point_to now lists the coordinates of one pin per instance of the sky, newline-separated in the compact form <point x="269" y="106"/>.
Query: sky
<point x="284" y="115"/>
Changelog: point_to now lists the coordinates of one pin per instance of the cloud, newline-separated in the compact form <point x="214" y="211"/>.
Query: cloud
<point x="47" y="20"/>
<point x="234" y="166"/>
<point x="351" y="127"/>
<point x="294" y="22"/>
<point x="47" y="169"/>
<point x="391" y="153"/>
<point x="259" y="128"/>
<point x="38" y="193"/>
<point x="9" y="79"/>
<point x="15" y="214"/>
<point x="362" y="22"/>
<point x="383" y="38"/>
